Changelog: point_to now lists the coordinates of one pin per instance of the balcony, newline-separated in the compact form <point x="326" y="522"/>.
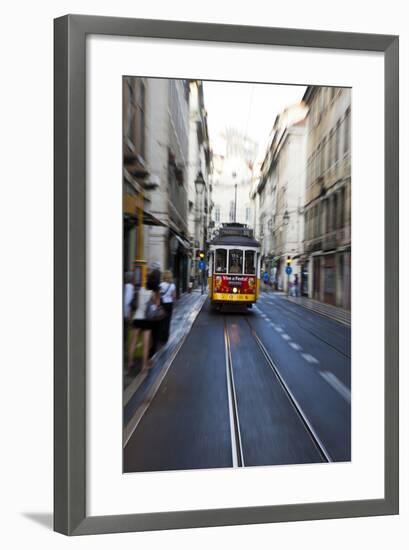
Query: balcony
<point x="313" y="245"/>
<point x="329" y="241"/>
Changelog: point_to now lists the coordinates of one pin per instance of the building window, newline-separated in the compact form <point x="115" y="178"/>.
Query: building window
<point x="136" y="115"/>
<point x="217" y="214"/>
<point x="328" y="152"/>
<point x="247" y="213"/>
<point x="323" y="151"/>
<point x="306" y="225"/>
<point x="337" y="141"/>
<point x="326" y="215"/>
<point x="334" y="211"/>
<point x="347" y="129"/>
<point x="140" y="110"/>
<point x="318" y="161"/>
<point x="342" y="207"/>
<point x="332" y="149"/>
<point x="316" y="221"/>
<point x="309" y="171"/>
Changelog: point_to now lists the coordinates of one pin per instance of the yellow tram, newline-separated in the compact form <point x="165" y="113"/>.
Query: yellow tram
<point x="234" y="267"/>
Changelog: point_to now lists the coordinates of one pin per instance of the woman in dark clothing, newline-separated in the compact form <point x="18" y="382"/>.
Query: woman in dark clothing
<point x="148" y="293"/>
<point x="153" y="283"/>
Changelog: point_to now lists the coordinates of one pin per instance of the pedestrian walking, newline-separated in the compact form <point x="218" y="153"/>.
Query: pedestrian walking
<point x="266" y="280"/>
<point x="129" y="292"/>
<point x="153" y="283"/>
<point x="142" y="320"/>
<point x="168" y="297"/>
<point x="296" y="289"/>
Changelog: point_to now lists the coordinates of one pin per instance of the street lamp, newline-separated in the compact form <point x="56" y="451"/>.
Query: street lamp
<point x="199" y="184"/>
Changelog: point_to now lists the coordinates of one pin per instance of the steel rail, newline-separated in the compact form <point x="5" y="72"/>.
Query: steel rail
<point x="236" y="443"/>
<point x="297" y="407"/>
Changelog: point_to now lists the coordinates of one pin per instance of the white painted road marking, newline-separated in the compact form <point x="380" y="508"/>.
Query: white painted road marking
<point x="285" y="336"/>
<point x="278" y="329"/>
<point x="310" y="358"/>
<point x="295" y="346"/>
<point x="337" y="385"/>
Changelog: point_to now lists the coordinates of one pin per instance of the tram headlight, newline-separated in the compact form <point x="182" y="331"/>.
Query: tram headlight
<point x="234" y="290"/>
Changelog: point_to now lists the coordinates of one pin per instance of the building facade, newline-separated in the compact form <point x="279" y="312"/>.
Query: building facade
<point x="232" y="180"/>
<point x="156" y="149"/>
<point x="327" y="209"/>
<point x="281" y="196"/>
<point x="199" y="166"/>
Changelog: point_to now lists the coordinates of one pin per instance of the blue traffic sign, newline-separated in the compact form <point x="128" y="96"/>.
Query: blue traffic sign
<point x="202" y="264"/>
<point x="288" y="270"/>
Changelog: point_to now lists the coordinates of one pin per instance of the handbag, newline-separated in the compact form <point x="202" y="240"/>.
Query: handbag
<point x="154" y="312"/>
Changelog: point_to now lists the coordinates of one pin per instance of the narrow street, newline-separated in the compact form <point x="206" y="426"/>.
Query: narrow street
<point x="270" y="386"/>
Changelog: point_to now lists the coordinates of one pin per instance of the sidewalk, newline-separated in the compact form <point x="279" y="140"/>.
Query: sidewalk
<point x="333" y="312"/>
<point x="141" y="389"/>
<point x="182" y="307"/>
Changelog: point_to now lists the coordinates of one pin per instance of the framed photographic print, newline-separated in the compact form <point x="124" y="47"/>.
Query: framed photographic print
<point x="226" y="275"/>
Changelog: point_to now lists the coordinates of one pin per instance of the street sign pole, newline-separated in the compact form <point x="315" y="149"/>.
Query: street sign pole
<point x="202" y="267"/>
<point x="288" y="270"/>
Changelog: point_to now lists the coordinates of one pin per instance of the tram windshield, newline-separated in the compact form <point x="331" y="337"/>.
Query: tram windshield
<point x="235" y="261"/>
<point x="249" y="262"/>
<point x="221" y="261"/>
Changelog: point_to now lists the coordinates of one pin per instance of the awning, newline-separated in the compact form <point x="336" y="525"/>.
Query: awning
<point x="183" y="242"/>
<point x="150" y="219"/>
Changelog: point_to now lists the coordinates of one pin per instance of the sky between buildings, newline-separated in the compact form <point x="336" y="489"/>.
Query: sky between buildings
<point x="250" y="108"/>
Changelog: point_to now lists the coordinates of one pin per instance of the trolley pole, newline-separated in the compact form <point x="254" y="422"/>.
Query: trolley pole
<point x="235" y="202"/>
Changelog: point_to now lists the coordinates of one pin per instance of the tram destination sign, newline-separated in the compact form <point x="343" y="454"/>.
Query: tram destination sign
<point x="244" y="283"/>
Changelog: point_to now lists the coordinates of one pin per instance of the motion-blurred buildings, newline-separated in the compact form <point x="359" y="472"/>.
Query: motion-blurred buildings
<point x="165" y="150"/>
<point x="232" y="177"/>
<point x="280" y="196"/>
<point x="327" y="239"/>
<point x="303" y="197"/>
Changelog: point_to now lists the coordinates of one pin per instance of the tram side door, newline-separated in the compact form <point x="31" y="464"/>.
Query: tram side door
<point x="210" y="273"/>
<point x="258" y="273"/>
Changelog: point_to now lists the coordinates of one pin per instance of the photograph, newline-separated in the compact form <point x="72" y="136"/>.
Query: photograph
<point x="236" y="274"/>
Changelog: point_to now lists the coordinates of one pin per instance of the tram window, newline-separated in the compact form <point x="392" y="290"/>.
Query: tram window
<point x="235" y="261"/>
<point x="249" y="265"/>
<point x="221" y="261"/>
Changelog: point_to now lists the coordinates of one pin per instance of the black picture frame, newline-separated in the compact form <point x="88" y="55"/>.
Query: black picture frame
<point x="70" y="34"/>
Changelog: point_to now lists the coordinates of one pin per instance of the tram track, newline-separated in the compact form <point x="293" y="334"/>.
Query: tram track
<point x="302" y="423"/>
<point x="297" y="407"/>
<point x="247" y="413"/>
<point x="236" y="443"/>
